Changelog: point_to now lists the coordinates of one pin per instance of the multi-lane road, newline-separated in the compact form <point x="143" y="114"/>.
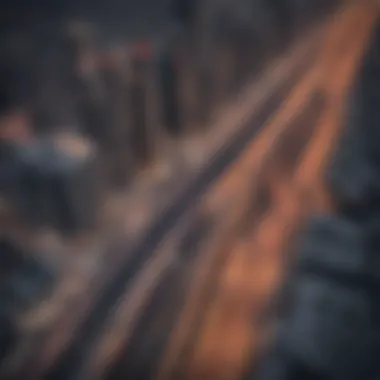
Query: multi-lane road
<point x="174" y="310"/>
<point x="231" y="326"/>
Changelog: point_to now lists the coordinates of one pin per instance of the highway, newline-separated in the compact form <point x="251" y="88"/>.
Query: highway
<point x="166" y="310"/>
<point x="230" y="330"/>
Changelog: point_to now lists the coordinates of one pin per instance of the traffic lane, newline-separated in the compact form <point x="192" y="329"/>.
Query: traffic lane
<point x="108" y="336"/>
<point x="336" y="83"/>
<point x="111" y="342"/>
<point x="268" y="243"/>
<point x="64" y="327"/>
<point x="233" y="181"/>
<point x="230" y="186"/>
<point x="238" y="184"/>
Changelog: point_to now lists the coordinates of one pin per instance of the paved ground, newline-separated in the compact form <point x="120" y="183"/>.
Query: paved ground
<point x="215" y="328"/>
<point x="231" y="330"/>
